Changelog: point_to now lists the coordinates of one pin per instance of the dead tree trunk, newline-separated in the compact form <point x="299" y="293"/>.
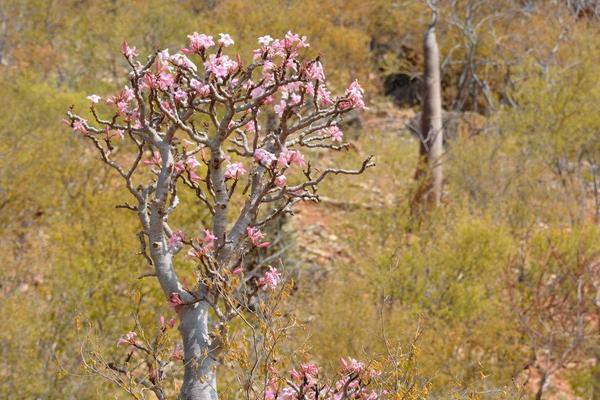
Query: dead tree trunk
<point x="431" y="133"/>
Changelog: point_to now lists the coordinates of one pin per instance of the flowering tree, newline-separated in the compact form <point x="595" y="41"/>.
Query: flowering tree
<point x="204" y="129"/>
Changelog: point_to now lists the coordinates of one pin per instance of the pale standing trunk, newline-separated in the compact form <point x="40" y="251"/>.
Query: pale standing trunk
<point x="431" y="115"/>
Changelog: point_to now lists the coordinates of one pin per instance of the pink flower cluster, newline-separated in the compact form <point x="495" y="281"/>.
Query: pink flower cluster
<point x="220" y="66"/>
<point x="189" y="164"/>
<point x="79" y="126"/>
<point x="182" y="61"/>
<point x="281" y="181"/>
<point x="270" y="280"/>
<point x="163" y="78"/>
<point x="128" y="52"/>
<point x="264" y="157"/>
<point x="335" y="133"/>
<point x="255" y="236"/>
<point x="355" y="99"/>
<point x="175" y="300"/>
<point x="315" y="71"/>
<point x="308" y="372"/>
<point x="272" y="55"/>
<point x="175" y="240"/>
<point x="94" y="98"/>
<point x="209" y="239"/>
<point x="155" y="160"/>
<point x="225" y="40"/>
<point x="289" y="158"/>
<point x="198" y="43"/>
<point x="127" y="339"/>
<point x="123" y="104"/>
<point x="164" y="325"/>
<point x="286" y="159"/>
<point x="202" y="89"/>
<point x="207" y="244"/>
<point x="305" y="383"/>
<point x="177" y="353"/>
<point x="234" y="170"/>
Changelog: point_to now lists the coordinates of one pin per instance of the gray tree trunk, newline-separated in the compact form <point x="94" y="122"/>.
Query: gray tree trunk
<point x="431" y="115"/>
<point x="200" y="377"/>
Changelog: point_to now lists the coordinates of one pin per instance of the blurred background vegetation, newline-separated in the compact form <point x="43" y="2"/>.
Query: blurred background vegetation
<point x="482" y="298"/>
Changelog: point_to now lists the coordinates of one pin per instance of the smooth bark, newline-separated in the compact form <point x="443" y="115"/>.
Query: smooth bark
<point x="200" y="377"/>
<point x="431" y="116"/>
<point x="199" y="367"/>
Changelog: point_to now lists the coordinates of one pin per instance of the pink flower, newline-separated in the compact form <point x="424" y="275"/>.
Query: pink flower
<point x="315" y="71"/>
<point x="264" y="157"/>
<point x="250" y="127"/>
<point x="209" y="239"/>
<point x="310" y="369"/>
<point x="295" y="375"/>
<point x="270" y="279"/>
<point x="237" y="271"/>
<point x="148" y="81"/>
<point x="183" y="62"/>
<point x="128" y="338"/>
<point x="169" y="324"/>
<point x="177" y="353"/>
<point x="265" y="40"/>
<point x="293" y="39"/>
<point x="220" y="66"/>
<point x="122" y="100"/>
<point x="163" y="57"/>
<point x="202" y="89"/>
<point x="291" y="64"/>
<point x="257" y="92"/>
<point x="155" y="160"/>
<point x="255" y="236"/>
<point x="122" y="107"/>
<point x="179" y="167"/>
<point x="352" y="366"/>
<point x="79" y="126"/>
<point x="175" y="300"/>
<point x="194" y="177"/>
<point x="280" y="108"/>
<point x="175" y="239"/>
<point x="165" y="80"/>
<point x="257" y="53"/>
<point x="234" y="171"/>
<point x="354" y="95"/>
<point x="193" y="253"/>
<point x="289" y="158"/>
<point x="191" y="163"/>
<point x="281" y="181"/>
<point x="289" y="393"/>
<point x="373" y="396"/>
<point x="94" y="98"/>
<point x="180" y="95"/>
<point x="225" y="40"/>
<point x="335" y="133"/>
<point x="137" y="124"/>
<point x="324" y="96"/>
<point x="198" y="42"/>
<point x="127" y="51"/>
<point x="270" y="394"/>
